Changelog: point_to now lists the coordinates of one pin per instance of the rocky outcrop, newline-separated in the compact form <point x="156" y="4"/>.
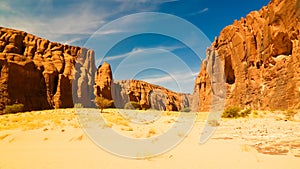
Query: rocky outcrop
<point x="103" y="81"/>
<point x="146" y="94"/>
<point x="260" y="58"/>
<point x="39" y="73"/>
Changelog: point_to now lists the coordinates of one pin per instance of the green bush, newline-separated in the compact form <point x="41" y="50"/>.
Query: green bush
<point x="15" y="108"/>
<point x="132" y="105"/>
<point x="231" y="112"/>
<point x="186" y="109"/>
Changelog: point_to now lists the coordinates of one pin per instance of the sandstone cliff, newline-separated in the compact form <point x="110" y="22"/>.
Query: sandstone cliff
<point x="39" y="73"/>
<point x="260" y="56"/>
<point x="146" y="94"/>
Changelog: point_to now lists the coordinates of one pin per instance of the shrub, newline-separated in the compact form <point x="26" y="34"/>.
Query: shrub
<point x="213" y="123"/>
<point x="245" y="113"/>
<point x="103" y="103"/>
<point x="78" y="105"/>
<point x="289" y="115"/>
<point x="231" y="112"/>
<point x="15" y="108"/>
<point x="186" y="109"/>
<point x="132" y="105"/>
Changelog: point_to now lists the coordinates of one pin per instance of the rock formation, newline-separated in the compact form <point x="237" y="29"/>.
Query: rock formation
<point x="103" y="81"/>
<point x="147" y="95"/>
<point x="39" y="73"/>
<point x="260" y="58"/>
<point x="84" y="79"/>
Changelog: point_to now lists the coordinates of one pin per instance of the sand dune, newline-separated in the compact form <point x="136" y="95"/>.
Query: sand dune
<point x="54" y="139"/>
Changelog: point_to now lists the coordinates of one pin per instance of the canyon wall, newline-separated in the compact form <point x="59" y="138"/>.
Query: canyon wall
<point x="39" y="73"/>
<point x="146" y="94"/>
<point x="260" y="59"/>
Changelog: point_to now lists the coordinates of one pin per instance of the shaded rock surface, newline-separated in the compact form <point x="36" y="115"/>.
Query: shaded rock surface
<point x="146" y="94"/>
<point x="39" y="73"/>
<point x="260" y="57"/>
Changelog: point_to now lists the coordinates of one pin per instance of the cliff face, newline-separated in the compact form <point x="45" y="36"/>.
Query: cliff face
<point x="147" y="95"/>
<point x="260" y="56"/>
<point x="39" y="73"/>
<point x="84" y="79"/>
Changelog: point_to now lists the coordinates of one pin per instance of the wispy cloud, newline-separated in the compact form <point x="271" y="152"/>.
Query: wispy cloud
<point x="179" y="76"/>
<point x="141" y="50"/>
<point x="76" y="19"/>
<point x="199" y="12"/>
<point x="5" y="7"/>
<point x="178" y="81"/>
<point x="44" y="19"/>
<point x="134" y="51"/>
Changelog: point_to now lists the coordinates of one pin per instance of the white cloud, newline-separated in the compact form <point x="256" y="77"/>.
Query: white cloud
<point x="178" y="76"/>
<point x="199" y="12"/>
<point x="134" y="51"/>
<point x="44" y="19"/>
<point x="203" y="10"/>
<point x="70" y="41"/>
<point x="77" y="19"/>
<point x="5" y="7"/>
<point x="179" y="81"/>
<point x="109" y="32"/>
<point x="141" y="50"/>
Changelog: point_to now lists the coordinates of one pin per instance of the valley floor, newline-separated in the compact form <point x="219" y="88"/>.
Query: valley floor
<point x="56" y="139"/>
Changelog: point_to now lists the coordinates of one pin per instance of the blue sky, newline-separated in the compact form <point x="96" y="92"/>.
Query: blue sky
<point x="161" y="59"/>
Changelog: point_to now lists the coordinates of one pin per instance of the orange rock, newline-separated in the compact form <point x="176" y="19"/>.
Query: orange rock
<point x="103" y="81"/>
<point x="146" y="94"/>
<point x="39" y="73"/>
<point x="260" y="56"/>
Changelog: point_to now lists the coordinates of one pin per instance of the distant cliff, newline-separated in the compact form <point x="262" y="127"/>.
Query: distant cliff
<point x="39" y="73"/>
<point x="260" y="56"/>
<point x="146" y="94"/>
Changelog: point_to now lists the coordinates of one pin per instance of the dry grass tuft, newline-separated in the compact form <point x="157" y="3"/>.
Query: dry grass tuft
<point x="151" y="132"/>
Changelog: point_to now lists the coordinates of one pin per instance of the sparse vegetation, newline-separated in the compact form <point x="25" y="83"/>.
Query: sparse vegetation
<point x="46" y="119"/>
<point x="231" y="112"/>
<point x="289" y="115"/>
<point x="132" y="105"/>
<point x="103" y="103"/>
<point x="213" y="123"/>
<point x="245" y="113"/>
<point x="236" y="112"/>
<point x="78" y="105"/>
<point x="186" y="109"/>
<point x="151" y="132"/>
<point x="255" y="113"/>
<point x="15" y="108"/>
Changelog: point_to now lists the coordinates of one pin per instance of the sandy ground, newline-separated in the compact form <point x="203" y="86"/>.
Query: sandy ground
<point x="54" y="139"/>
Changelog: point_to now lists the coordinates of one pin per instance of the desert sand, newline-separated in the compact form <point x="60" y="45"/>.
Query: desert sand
<point x="55" y="139"/>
